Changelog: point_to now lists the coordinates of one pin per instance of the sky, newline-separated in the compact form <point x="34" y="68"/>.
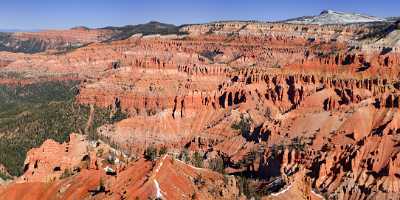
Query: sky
<point x="60" y="14"/>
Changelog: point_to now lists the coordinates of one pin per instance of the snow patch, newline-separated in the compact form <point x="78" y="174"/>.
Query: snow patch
<point x="158" y="189"/>
<point x="335" y="17"/>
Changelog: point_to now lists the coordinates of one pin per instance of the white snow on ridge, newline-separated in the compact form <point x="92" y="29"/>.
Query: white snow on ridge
<point x="334" y="17"/>
<point x="158" y="189"/>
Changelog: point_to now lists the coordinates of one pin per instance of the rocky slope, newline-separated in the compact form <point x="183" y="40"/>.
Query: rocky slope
<point x="291" y="110"/>
<point x="386" y="40"/>
<point x="83" y="170"/>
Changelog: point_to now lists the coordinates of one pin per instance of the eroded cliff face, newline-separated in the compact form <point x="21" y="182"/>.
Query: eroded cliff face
<point x="98" y="171"/>
<point x="306" y="103"/>
<point x="52" y="40"/>
<point x="52" y="159"/>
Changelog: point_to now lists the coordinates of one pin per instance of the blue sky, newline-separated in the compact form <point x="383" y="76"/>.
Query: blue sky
<point x="41" y="14"/>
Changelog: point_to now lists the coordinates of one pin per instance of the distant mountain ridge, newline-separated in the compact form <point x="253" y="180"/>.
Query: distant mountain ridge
<point x="62" y="40"/>
<point x="15" y="40"/>
<point x="335" y="17"/>
<point x="152" y="27"/>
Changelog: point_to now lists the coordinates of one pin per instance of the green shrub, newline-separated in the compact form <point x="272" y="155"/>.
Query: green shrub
<point x="118" y="116"/>
<point x="163" y="151"/>
<point x="197" y="160"/>
<point x="247" y="188"/>
<point x="184" y="155"/>
<point x="150" y="153"/>
<point x="5" y="177"/>
<point x="217" y="164"/>
<point x="66" y="173"/>
<point x="243" y="125"/>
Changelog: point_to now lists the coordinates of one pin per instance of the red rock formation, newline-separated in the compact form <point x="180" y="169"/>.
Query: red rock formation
<point x="168" y="178"/>
<point x="49" y="161"/>
<point x="312" y="98"/>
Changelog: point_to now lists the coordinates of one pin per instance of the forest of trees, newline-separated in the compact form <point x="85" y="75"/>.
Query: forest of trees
<point x="31" y="114"/>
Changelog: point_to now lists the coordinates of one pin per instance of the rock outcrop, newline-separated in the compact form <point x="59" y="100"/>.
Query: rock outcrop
<point x="286" y="103"/>
<point x="166" y="179"/>
<point x="49" y="161"/>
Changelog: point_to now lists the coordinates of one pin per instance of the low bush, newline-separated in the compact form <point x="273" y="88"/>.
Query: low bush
<point x="150" y="153"/>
